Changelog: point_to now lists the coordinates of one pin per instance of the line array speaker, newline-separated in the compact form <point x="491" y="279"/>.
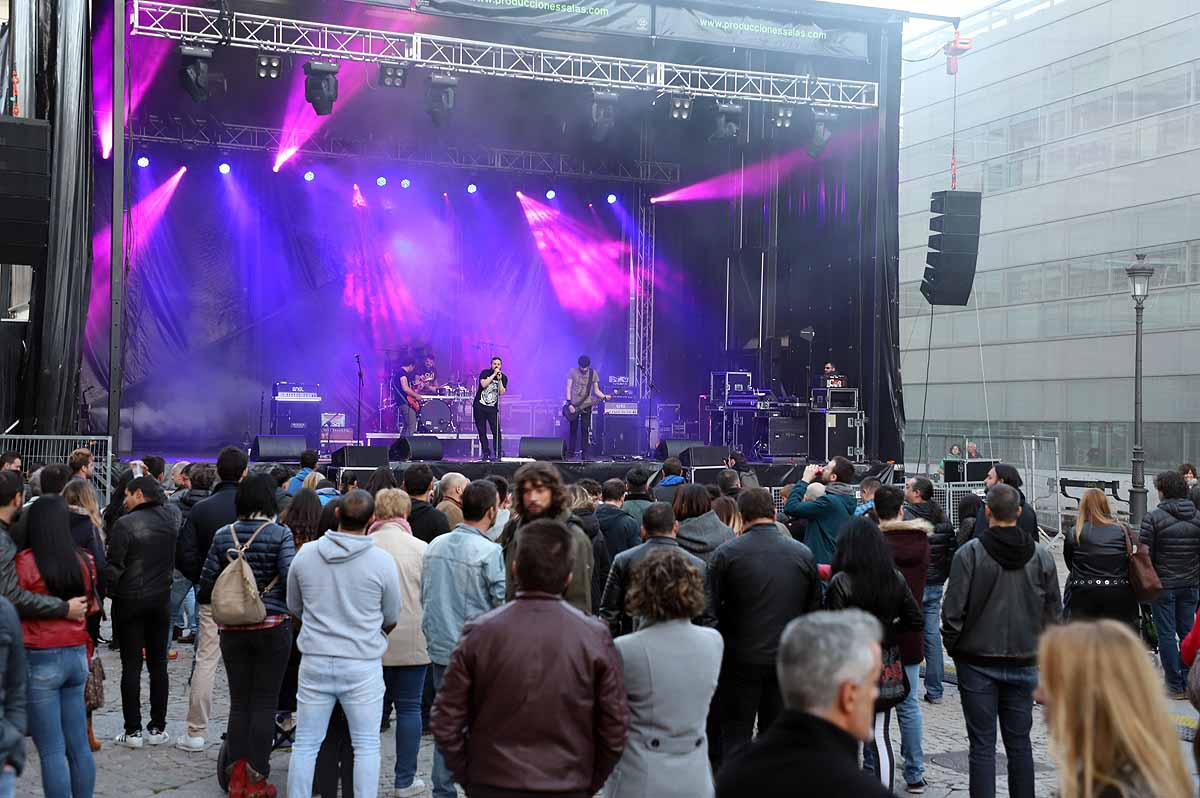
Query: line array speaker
<point x="24" y="190"/>
<point x="953" y="247"/>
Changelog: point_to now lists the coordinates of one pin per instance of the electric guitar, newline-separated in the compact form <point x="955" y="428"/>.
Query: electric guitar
<point x="586" y="404"/>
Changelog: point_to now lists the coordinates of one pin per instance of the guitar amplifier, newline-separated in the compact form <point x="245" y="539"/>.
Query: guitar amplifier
<point x="296" y="410"/>
<point x="612" y="408"/>
<point x="622" y="435"/>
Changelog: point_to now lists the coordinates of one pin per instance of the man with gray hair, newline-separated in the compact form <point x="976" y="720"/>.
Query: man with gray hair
<point x="828" y="668"/>
<point x="451" y="487"/>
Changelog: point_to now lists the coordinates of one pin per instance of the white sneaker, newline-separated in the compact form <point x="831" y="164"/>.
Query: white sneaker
<point x="130" y="740"/>
<point x="157" y="737"/>
<point x="411" y="791"/>
<point x="193" y="744"/>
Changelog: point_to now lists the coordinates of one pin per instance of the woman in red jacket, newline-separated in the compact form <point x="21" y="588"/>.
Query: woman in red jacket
<point x="57" y="651"/>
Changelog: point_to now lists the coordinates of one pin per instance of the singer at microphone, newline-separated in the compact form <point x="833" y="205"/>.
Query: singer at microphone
<point x="491" y="385"/>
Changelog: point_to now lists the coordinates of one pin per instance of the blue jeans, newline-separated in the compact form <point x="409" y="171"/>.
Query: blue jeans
<point x="358" y="686"/>
<point x="404" y="688"/>
<point x="1006" y="693"/>
<point x="58" y="721"/>
<point x="443" y="782"/>
<point x="935" y="668"/>
<point x="183" y="602"/>
<point x="1174" y="611"/>
<point x="8" y="782"/>
<point x="912" y="727"/>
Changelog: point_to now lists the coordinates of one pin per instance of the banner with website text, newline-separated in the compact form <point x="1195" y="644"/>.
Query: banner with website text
<point x="629" y="17"/>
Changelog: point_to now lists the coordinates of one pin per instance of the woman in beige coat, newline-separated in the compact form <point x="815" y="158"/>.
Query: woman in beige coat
<point x="406" y="661"/>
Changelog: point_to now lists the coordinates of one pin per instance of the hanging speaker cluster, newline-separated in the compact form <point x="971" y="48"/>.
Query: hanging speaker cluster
<point x="953" y="247"/>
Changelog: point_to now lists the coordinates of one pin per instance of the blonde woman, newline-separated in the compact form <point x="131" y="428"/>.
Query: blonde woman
<point x="1110" y="733"/>
<point x="1097" y="557"/>
<point x="312" y="480"/>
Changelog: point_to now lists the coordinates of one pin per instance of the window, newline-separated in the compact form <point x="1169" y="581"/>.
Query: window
<point x="1092" y="111"/>
<point x="1085" y="278"/>
<point x="1022" y="285"/>
<point x="1054" y="280"/>
<point x="1157" y="93"/>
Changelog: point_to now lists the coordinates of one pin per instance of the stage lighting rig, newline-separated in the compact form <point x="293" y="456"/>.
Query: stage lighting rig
<point x="728" y="121"/>
<point x="269" y="66"/>
<point x="193" y="70"/>
<point x="604" y="113"/>
<point x="321" y="85"/>
<point x="823" y="120"/>
<point x="782" y="117"/>
<point x="439" y="98"/>
<point x="393" y="76"/>
<point x="681" y="108"/>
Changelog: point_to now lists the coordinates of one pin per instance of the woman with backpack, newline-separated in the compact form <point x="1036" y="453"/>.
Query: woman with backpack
<point x="865" y="577"/>
<point x="255" y="628"/>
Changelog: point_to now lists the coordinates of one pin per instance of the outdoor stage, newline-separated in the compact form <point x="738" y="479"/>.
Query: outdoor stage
<point x="769" y="475"/>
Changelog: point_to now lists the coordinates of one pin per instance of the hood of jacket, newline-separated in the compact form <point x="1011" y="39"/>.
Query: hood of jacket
<point x="703" y="533"/>
<point x="927" y="510"/>
<point x="342" y="546"/>
<point x="606" y="511"/>
<point x="674" y="479"/>
<point x="1180" y="509"/>
<point x="906" y="525"/>
<point x="839" y="489"/>
<point x="1009" y="546"/>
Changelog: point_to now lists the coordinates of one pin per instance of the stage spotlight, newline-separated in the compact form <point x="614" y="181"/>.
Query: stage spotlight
<point x="728" y="121"/>
<point x="309" y="176"/>
<point x="604" y="113"/>
<point x="612" y="199"/>
<point x="681" y="107"/>
<point x="822" y="132"/>
<point x="321" y="85"/>
<point x="143" y="162"/>
<point x="551" y="194"/>
<point x="193" y="71"/>
<point x="268" y="66"/>
<point x="393" y="76"/>
<point x="223" y="168"/>
<point x="439" y="98"/>
<point x="381" y="181"/>
<point x="471" y="189"/>
<point x="405" y="183"/>
<point x="782" y="117"/>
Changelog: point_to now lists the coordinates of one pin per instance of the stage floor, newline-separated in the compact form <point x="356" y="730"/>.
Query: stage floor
<point x="769" y="474"/>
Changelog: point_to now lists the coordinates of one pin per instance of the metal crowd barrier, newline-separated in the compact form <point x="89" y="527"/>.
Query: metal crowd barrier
<point x="41" y="450"/>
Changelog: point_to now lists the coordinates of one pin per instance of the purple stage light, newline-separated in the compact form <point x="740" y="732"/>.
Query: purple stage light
<point x="300" y="122"/>
<point x="357" y="199"/>
<point x="753" y="180"/>
<point x="612" y="199"/>
<point x="381" y="181"/>
<point x="223" y="168"/>
<point x="406" y="183"/>
<point x="551" y="194"/>
<point x="309" y="176"/>
<point x="471" y="189"/>
<point x="143" y="162"/>
<point x="146" y="52"/>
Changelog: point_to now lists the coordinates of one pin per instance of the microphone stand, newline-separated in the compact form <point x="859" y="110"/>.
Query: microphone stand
<point x="358" y="416"/>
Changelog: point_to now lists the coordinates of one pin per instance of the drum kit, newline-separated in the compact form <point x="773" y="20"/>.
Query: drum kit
<point x="446" y="410"/>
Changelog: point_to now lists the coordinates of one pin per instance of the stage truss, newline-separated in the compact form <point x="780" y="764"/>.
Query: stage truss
<point x="641" y="299"/>
<point x="453" y="55"/>
<point x="191" y="132"/>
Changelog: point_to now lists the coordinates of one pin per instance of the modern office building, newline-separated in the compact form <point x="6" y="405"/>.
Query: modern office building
<point x="1079" y="120"/>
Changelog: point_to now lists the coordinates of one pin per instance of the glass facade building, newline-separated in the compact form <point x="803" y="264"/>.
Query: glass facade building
<point x="1079" y="120"/>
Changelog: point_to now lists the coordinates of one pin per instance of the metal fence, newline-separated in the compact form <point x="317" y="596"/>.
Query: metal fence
<point x="42" y="450"/>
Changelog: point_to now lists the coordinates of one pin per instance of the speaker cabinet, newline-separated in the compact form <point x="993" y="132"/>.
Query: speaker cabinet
<point x="360" y="457"/>
<point x="700" y="456"/>
<point x="622" y="436"/>
<point x="674" y="447"/>
<point x="953" y="247"/>
<point x="24" y="190"/>
<point x="418" y="447"/>
<point x="543" y="448"/>
<point x="278" y="448"/>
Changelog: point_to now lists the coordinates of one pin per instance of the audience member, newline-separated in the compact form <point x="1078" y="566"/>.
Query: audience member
<point x="637" y="495"/>
<point x="621" y="530"/>
<point x="968" y="508"/>
<point x="583" y="510"/>
<point x="828" y="671"/>
<point x="756" y="583"/>
<point x="382" y="478"/>
<point x="255" y="654"/>
<point x="866" y="576"/>
<point x="141" y="561"/>
<point x="540" y="494"/>
<point x="179" y="481"/>
<point x="200" y="478"/>
<point x="1171" y="532"/>
<point x="82" y="464"/>
<point x="726" y="508"/>
<point x="658" y="528"/>
<point x="919" y="505"/>
<point x="487" y="721"/>
<point x="866" y="501"/>
<point x="729" y="483"/>
<point x="14" y="705"/>
<point x="406" y="658"/>
<point x="746" y="476"/>
<point x="1002" y="592"/>
<point x="344" y="590"/>
<point x="86" y="524"/>
<point x="1005" y="474"/>
<point x="670" y="669"/>
<point x="29" y="605"/>
<point x="11" y="461"/>
<point x="505" y="512"/>
<point x="1097" y="555"/>
<point x="1111" y="733"/>
<point x="327" y="489"/>
<point x="462" y="576"/>
<point x="826" y="515"/>
<point x="155" y="467"/>
<point x="426" y="520"/>
<point x="282" y="476"/>
<point x="672" y="480"/>
<point x="452" y="486"/>
<point x="308" y="465"/>
<point x="701" y="531"/>
<point x="314" y="480"/>
<point x="303" y="517"/>
<point x="1188" y="472"/>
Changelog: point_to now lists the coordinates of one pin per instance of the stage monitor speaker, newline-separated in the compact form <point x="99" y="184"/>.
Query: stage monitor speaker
<point x="543" y="448"/>
<point x="278" y="448"/>
<point x="953" y="248"/>
<point x="360" y="457"/>
<point x="418" y="447"/>
<point x="24" y="190"/>
<point x="701" y="456"/>
<point x="674" y="447"/>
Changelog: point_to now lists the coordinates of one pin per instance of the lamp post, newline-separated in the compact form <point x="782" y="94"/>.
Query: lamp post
<point x="1139" y="288"/>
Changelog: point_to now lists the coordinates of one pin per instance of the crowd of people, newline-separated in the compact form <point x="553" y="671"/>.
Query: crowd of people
<point x="644" y="636"/>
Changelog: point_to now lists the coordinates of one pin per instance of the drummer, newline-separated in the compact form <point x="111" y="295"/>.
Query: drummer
<point x="426" y="379"/>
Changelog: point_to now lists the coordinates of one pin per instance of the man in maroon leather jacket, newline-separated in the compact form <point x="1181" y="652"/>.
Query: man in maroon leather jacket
<point x="534" y="698"/>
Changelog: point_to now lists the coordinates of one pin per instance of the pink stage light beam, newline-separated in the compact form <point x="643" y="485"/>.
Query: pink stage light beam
<point x="754" y="180"/>
<point x="300" y="121"/>
<point x="149" y="55"/>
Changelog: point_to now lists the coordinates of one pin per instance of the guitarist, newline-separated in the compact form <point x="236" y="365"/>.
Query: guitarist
<point x="583" y="391"/>
<point x="409" y="394"/>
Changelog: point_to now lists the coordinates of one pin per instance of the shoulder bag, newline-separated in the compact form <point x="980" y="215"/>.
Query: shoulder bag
<point x="1142" y="576"/>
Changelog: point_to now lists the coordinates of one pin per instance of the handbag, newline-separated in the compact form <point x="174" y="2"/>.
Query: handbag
<point x="236" y="600"/>
<point x="93" y="690"/>
<point x="893" y="681"/>
<point x="1142" y="576"/>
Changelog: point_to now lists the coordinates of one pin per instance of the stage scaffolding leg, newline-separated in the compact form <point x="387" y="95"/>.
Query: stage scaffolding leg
<point x="116" y="273"/>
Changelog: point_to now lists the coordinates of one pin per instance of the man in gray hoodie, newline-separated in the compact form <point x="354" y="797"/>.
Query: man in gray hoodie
<point x="346" y="593"/>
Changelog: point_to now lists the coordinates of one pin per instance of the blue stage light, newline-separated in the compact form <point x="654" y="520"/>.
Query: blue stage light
<point x="551" y="194"/>
<point x="143" y="162"/>
<point x="471" y="189"/>
<point x="223" y="168"/>
<point x="309" y="176"/>
<point x="612" y="199"/>
<point x="405" y="183"/>
<point x="381" y="181"/>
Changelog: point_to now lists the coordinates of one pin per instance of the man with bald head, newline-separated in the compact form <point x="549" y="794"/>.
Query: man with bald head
<point x="452" y="486"/>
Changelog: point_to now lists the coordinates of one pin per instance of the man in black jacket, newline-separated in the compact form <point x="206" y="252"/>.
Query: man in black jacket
<point x="427" y="521"/>
<point x="195" y="539"/>
<point x="757" y="583"/>
<point x="1004" y="474"/>
<point x="141" y="561"/>
<point x="28" y="605"/>
<point x="1172" y="534"/>
<point x="828" y="669"/>
<point x="1002" y="592"/>
<point x="919" y="503"/>
<point x="658" y="527"/>
<point x="620" y="529"/>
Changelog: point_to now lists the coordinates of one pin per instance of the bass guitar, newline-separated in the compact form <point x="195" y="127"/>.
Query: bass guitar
<point x="586" y="404"/>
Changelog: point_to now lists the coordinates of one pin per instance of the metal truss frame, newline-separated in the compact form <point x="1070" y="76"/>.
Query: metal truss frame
<point x="450" y="54"/>
<point x="199" y="132"/>
<point x="641" y="300"/>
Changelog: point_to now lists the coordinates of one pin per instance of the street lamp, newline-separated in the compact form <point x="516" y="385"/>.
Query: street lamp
<point x="1139" y="288"/>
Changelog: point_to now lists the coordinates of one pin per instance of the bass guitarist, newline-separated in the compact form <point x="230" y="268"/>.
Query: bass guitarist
<point x="408" y="396"/>
<point x="583" y="391"/>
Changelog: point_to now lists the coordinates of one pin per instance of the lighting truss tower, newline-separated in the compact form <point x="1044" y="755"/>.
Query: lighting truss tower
<point x="641" y="297"/>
